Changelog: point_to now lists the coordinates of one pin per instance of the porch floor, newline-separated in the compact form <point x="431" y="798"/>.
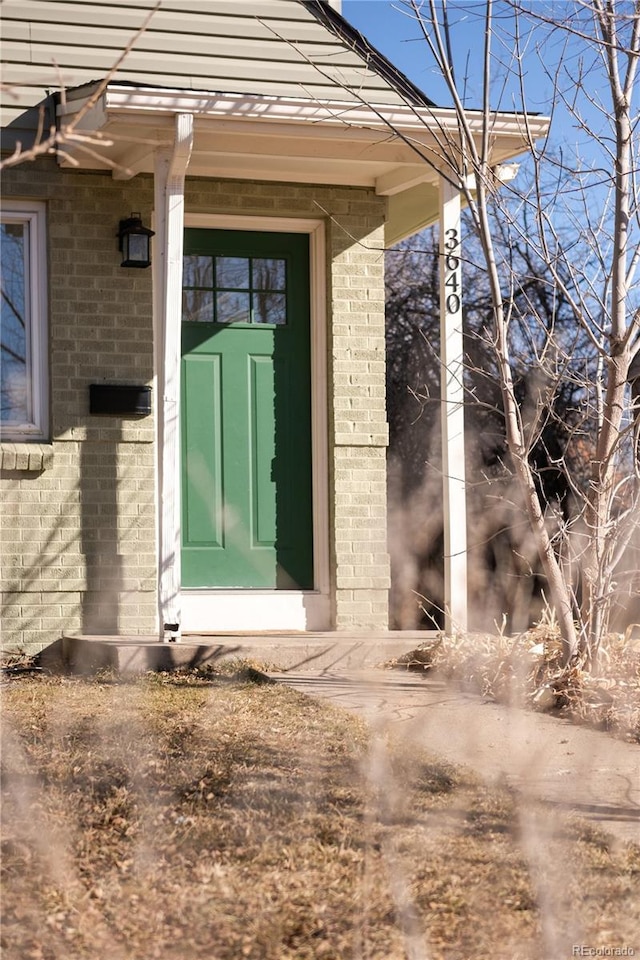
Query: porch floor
<point x="86" y="653"/>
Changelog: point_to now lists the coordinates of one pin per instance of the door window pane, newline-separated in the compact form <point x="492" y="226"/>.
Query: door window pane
<point x="197" y="306"/>
<point x="232" y="307"/>
<point x="270" y="308"/>
<point x="232" y="273"/>
<point x="197" y="271"/>
<point x="269" y="274"/>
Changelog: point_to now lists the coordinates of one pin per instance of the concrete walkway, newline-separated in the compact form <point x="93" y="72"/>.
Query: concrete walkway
<point x="570" y="767"/>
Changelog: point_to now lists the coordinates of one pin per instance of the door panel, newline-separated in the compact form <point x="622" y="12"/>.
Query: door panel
<point x="246" y="411"/>
<point x="262" y="430"/>
<point x="202" y="451"/>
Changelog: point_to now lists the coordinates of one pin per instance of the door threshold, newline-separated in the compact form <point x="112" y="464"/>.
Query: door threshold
<point x="219" y="611"/>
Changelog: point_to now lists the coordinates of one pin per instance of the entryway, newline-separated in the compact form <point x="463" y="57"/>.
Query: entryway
<point x="247" y="485"/>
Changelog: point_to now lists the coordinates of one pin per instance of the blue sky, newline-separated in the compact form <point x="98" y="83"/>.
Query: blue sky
<point x="586" y="145"/>
<point x="578" y="202"/>
<point x="398" y="36"/>
<point x="388" y="27"/>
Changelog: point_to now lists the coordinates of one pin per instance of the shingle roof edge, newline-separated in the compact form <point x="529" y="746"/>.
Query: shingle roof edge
<point x="345" y="32"/>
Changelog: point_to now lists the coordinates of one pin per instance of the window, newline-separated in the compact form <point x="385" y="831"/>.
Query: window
<point x="23" y="329"/>
<point x="243" y="290"/>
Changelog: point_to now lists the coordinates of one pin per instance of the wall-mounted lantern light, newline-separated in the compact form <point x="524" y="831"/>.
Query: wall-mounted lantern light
<point x="134" y="241"/>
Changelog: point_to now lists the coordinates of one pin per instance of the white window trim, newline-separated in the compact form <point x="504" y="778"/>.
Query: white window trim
<point x="33" y="213"/>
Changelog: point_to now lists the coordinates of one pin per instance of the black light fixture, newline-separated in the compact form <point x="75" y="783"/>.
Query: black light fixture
<point x="134" y="241"/>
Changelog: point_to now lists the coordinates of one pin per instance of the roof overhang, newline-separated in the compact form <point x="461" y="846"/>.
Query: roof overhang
<point x="400" y="151"/>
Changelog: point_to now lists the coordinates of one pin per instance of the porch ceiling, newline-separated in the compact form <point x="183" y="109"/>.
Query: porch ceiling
<point x="396" y="150"/>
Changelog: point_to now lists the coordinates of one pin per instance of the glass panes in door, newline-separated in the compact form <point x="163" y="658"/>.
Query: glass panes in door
<point x="223" y="289"/>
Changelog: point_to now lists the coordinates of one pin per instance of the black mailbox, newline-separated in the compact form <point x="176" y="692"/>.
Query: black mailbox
<point x="118" y="400"/>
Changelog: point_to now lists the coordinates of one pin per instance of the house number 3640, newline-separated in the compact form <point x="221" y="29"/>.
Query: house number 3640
<point x="452" y="271"/>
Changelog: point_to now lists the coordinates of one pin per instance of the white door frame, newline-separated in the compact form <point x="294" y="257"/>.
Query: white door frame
<point x="221" y="610"/>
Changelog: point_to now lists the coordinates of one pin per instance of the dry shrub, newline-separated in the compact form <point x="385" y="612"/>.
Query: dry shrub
<point x="527" y="670"/>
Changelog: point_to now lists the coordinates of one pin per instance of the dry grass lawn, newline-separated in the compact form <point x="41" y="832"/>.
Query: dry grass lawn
<point x="194" y="816"/>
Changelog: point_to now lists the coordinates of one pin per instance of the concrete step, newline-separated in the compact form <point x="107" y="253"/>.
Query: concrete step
<point x="83" y="653"/>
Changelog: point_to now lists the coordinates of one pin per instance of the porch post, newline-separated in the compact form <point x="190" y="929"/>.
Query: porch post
<point x="452" y="412"/>
<point x="170" y="170"/>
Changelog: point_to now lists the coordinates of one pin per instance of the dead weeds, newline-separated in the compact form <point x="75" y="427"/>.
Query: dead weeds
<point x="193" y="816"/>
<point x="526" y="670"/>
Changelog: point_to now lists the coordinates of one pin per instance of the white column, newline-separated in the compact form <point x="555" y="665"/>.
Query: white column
<point x="452" y="412"/>
<point x="170" y="169"/>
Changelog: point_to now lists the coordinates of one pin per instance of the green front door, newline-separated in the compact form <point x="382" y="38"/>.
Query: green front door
<point x="246" y="411"/>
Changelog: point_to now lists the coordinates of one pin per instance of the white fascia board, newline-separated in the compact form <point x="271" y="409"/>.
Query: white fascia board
<point x="118" y="100"/>
<point x="287" y="171"/>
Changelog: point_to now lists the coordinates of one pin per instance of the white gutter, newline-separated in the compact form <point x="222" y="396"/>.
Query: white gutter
<point x="170" y="171"/>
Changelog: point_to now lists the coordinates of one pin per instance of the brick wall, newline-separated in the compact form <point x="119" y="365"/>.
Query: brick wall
<point x="360" y="433"/>
<point x="78" y="526"/>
